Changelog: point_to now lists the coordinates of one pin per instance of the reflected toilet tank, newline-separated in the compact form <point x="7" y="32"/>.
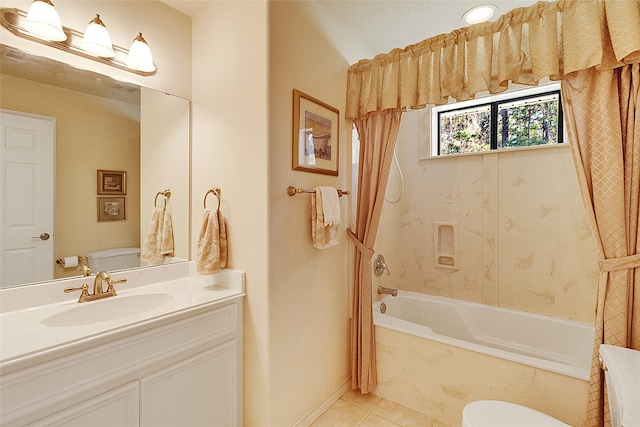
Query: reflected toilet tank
<point x="114" y="259"/>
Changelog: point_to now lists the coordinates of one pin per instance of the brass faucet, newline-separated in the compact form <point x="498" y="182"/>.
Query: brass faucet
<point x="388" y="291"/>
<point x="101" y="276"/>
<point x="98" y="289"/>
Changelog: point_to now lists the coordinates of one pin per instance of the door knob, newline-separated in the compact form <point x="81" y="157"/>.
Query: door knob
<point x="43" y="236"/>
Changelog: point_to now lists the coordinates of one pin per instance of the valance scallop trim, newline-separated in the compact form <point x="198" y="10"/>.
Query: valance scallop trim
<point x="525" y="45"/>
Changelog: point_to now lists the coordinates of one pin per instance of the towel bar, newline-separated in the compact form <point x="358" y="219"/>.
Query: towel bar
<point x="292" y="191"/>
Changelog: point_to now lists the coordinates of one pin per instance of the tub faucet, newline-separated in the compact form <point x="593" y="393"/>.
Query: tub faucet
<point x="388" y="291"/>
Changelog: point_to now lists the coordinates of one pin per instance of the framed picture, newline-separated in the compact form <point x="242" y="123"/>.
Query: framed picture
<point x="315" y="135"/>
<point x="112" y="182"/>
<point x="111" y="209"/>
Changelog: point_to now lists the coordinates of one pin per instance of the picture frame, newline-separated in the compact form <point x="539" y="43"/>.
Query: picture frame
<point x="315" y="135"/>
<point x="112" y="182"/>
<point x="111" y="209"/>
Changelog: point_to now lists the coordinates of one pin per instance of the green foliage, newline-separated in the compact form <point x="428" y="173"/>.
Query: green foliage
<point x="528" y="125"/>
<point x="520" y="124"/>
<point x="465" y="132"/>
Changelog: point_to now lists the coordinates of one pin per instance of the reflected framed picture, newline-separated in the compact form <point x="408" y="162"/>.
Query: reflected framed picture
<point x="112" y="182"/>
<point x="111" y="209"/>
<point x="315" y="135"/>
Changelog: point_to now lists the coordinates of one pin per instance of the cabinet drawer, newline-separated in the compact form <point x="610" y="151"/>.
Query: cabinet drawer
<point x="118" y="407"/>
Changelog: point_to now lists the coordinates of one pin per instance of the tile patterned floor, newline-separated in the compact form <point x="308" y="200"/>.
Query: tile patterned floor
<point x="356" y="410"/>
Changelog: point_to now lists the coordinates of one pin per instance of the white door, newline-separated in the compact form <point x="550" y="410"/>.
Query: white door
<point x="27" y="147"/>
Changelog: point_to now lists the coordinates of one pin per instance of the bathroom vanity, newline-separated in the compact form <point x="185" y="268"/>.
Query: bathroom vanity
<point x="167" y="350"/>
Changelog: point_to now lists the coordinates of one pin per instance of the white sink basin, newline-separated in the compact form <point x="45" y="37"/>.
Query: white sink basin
<point x="39" y="322"/>
<point x="107" y="309"/>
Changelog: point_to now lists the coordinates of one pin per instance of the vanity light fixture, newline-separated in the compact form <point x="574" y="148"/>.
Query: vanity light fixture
<point x="96" y="40"/>
<point x="94" y="44"/>
<point x="43" y="21"/>
<point x="479" y="14"/>
<point x="140" y="57"/>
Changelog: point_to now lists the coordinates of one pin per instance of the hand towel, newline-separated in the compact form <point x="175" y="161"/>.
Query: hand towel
<point x="211" y="249"/>
<point x="330" y="205"/>
<point x="159" y="239"/>
<point x="325" y="217"/>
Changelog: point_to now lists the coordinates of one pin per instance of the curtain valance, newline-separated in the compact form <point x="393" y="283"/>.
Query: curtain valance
<point x="523" y="46"/>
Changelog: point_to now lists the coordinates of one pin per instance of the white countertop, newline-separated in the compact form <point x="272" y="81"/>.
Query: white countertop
<point x="31" y="330"/>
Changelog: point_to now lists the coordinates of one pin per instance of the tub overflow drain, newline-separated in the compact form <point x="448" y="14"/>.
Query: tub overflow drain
<point x="383" y="308"/>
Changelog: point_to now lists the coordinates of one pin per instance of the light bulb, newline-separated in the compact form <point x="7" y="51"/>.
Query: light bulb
<point x="43" y="21"/>
<point x="479" y="14"/>
<point x="97" y="40"/>
<point x="140" y="57"/>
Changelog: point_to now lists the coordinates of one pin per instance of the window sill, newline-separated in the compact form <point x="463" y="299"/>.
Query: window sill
<point x="493" y="152"/>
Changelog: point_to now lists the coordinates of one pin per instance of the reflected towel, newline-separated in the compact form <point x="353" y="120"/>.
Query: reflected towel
<point x="211" y="249"/>
<point x="325" y="217"/>
<point x="158" y="242"/>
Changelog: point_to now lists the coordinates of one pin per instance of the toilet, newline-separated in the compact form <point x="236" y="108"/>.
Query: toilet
<point x="114" y="259"/>
<point x="622" y="378"/>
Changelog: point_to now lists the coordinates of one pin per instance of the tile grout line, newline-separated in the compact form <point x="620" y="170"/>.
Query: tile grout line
<point x="372" y="412"/>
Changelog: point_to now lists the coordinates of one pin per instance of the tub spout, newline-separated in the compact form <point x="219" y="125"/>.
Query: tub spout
<point x="388" y="291"/>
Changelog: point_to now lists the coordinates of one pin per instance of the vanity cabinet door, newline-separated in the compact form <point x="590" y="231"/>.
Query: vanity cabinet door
<point x="198" y="391"/>
<point x="118" y="407"/>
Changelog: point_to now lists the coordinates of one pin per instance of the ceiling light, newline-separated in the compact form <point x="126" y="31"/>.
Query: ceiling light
<point x="97" y="40"/>
<point x="479" y="14"/>
<point x="43" y="21"/>
<point x="140" y="55"/>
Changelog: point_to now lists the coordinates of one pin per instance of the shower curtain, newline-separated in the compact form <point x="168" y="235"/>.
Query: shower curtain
<point x="569" y="40"/>
<point x="378" y="133"/>
<point x="603" y="123"/>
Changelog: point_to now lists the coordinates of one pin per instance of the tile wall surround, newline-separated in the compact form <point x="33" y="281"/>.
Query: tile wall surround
<point x="438" y="380"/>
<point x="525" y="241"/>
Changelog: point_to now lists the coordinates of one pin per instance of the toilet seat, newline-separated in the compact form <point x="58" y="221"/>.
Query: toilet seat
<point x="493" y="413"/>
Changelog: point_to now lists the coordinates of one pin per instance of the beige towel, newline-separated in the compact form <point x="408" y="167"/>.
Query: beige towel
<point x="158" y="242"/>
<point x="325" y="217"/>
<point x="211" y="249"/>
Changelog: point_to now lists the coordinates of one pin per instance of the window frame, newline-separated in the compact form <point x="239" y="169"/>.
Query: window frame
<point x="494" y="102"/>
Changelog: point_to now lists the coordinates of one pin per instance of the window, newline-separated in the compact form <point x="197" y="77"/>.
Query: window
<point x="526" y="118"/>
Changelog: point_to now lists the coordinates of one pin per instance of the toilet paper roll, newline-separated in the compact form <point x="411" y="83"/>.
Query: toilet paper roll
<point x="70" y="262"/>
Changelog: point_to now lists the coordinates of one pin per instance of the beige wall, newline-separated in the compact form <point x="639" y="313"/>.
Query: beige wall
<point x="308" y="287"/>
<point x="91" y="133"/>
<point x="248" y="58"/>
<point x="164" y="163"/>
<point x="230" y="150"/>
<point x="523" y="236"/>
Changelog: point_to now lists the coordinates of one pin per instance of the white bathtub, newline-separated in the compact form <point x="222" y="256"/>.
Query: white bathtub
<point x="557" y="345"/>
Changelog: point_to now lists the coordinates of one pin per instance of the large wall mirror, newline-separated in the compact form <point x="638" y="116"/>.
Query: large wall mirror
<point x="99" y="124"/>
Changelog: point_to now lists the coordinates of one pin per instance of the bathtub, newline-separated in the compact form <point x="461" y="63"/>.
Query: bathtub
<point x="437" y="354"/>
